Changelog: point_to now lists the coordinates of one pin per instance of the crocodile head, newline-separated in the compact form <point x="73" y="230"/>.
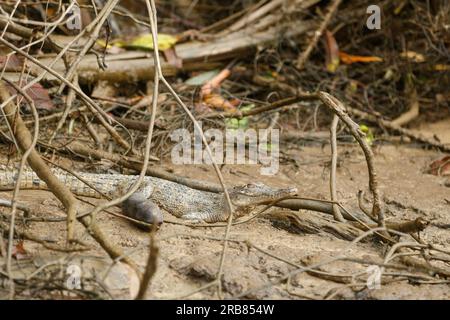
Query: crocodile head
<point x="245" y="198"/>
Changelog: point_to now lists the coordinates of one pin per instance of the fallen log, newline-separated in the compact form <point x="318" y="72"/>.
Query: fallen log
<point x="135" y="65"/>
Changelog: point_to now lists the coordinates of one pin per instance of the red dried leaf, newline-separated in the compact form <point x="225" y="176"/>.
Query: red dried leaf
<point x="216" y="101"/>
<point x="19" y="252"/>
<point x="38" y="94"/>
<point x="440" y="167"/>
<point x="332" y="52"/>
<point x="13" y="63"/>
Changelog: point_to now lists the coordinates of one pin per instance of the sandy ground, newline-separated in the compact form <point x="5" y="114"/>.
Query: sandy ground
<point x="189" y="257"/>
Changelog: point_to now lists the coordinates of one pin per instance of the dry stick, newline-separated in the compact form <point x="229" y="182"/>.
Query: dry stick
<point x="341" y="255"/>
<point x="67" y="109"/>
<point x="311" y="270"/>
<point x="424" y="266"/>
<point x="148" y="142"/>
<point x="24" y="140"/>
<point x="23" y="137"/>
<point x="390" y="255"/>
<point x="411" y="114"/>
<point x="411" y="226"/>
<point x="93" y="36"/>
<point x="7" y="100"/>
<point x="132" y="163"/>
<point x="2" y="247"/>
<point x="406" y="132"/>
<point x="21" y="206"/>
<point x="150" y="270"/>
<point x="26" y="153"/>
<point x="251" y="17"/>
<point x="89" y="219"/>
<point x="91" y="130"/>
<point x="249" y="244"/>
<point x="305" y="55"/>
<point x="336" y="212"/>
<point x="54" y="116"/>
<point x="93" y="107"/>
<point x="9" y="26"/>
<point x="70" y="171"/>
<point x="270" y="107"/>
<point x="30" y="33"/>
<point x="153" y="253"/>
<point x="153" y="20"/>
<point x="45" y="39"/>
<point x="28" y="236"/>
<point x="317" y="273"/>
<point x="10" y="17"/>
<point x="224" y="21"/>
<point x="361" y="203"/>
<point x="338" y="108"/>
<point x="127" y="123"/>
<point x="45" y="23"/>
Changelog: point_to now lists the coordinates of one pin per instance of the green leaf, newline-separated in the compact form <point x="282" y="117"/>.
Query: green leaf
<point x="234" y="123"/>
<point x="369" y="134"/>
<point x="202" y="78"/>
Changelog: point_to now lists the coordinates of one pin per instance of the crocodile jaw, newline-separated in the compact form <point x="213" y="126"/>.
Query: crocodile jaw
<point x="246" y="198"/>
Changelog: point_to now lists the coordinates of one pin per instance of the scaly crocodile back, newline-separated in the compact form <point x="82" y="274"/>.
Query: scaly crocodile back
<point x="175" y="198"/>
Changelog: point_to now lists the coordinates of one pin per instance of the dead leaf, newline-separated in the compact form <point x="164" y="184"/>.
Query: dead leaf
<point x="442" y="67"/>
<point x="216" y="101"/>
<point x="13" y="63"/>
<point x="19" y="252"/>
<point x="211" y="99"/>
<point x="349" y="58"/>
<point x="440" y="167"/>
<point x="332" y="52"/>
<point x="413" y="56"/>
<point x="215" y="82"/>
<point x="38" y="94"/>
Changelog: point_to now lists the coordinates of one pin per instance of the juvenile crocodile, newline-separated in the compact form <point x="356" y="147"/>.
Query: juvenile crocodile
<point x="177" y="199"/>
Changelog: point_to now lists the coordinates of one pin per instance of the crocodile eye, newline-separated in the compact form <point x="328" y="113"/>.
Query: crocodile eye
<point x="255" y="184"/>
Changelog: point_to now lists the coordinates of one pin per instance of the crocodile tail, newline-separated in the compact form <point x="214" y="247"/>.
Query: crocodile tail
<point x="28" y="179"/>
